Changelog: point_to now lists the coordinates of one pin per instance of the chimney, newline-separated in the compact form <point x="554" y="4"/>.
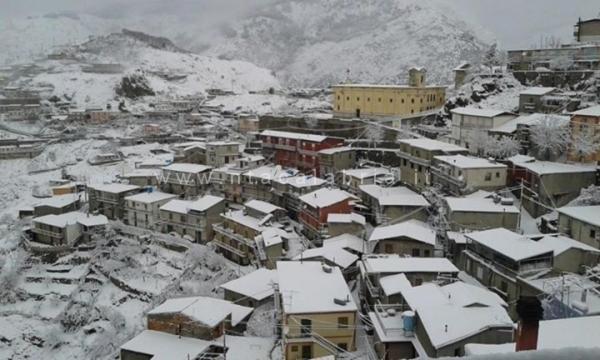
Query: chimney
<point x="529" y="309"/>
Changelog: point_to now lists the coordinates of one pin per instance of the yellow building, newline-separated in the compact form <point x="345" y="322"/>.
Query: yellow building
<point x="317" y="312"/>
<point x="356" y="100"/>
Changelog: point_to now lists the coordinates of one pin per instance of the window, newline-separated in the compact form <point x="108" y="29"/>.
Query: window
<point x="418" y="281"/>
<point x="391" y="100"/>
<point x="488" y="176"/>
<point x="404" y="162"/>
<point x="306" y="326"/>
<point x="294" y="348"/>
<point x="416" y="252"/>
<point x="503" y="286"/>
<point x="497" y="174"/>
<point x="368" y="99"/>
<point x="342" y="346"/>
<point x="357" y="98"/>
<point x="592" y="233"/>
<point x="389" y="248"/>
<point x="427" y="253"/>
<point x="402" y="101"/>
<point x="342" y="322"/>
<point x="339" y="98"/>
<point x="479" y="272"/>
<point x="348" y="98"/>
<point x="412" y="101"/>
<point x="379" y="99"/>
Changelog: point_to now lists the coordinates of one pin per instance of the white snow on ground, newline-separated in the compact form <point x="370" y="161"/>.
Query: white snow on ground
<point x="265" y="103"/>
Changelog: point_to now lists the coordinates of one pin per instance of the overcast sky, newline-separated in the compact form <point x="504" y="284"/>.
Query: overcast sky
<point x="514" y="23"/>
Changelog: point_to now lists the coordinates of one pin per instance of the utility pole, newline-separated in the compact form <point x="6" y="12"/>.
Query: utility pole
<point x="520" y="205"/>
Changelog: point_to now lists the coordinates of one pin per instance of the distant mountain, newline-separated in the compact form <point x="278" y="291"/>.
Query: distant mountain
<point x="314" y="42"/>
<point x="90" y="72"/>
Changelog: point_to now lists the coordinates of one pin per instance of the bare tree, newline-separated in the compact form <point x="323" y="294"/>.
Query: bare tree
<point x="491" y="57"/>
<point x="550" y="137"/>
<point x="503" y="147"/>
<point x="585" y="143"/>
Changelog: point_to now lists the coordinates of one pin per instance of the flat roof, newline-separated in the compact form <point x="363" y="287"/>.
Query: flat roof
<point x="538" y="90"/>
<point x="591" y="111"/>
<point x="386" y="86"/>
<point x="307" y="288"/>
<point x="484" y="205"/>
<point x="70" y="218"/>
<point x="150" y="197"/>
<point x="433" y="145"/>
<point x="397" y="264"/>
<point x="346" y="218"/>
<point x="59" y="201"/>
<point x="188" y="168"/>
<point x="548" y="167"/>
<point x="468" y="162"/>
<point x="262" y="206"/>
<point x="164" y="346"/>
<point x="333" y="254"/>
<point x="366" y="173"/>
<point x="587" y="214"/>
<point x="473" y="111"/>
<point x="114" y="188"/>
<point x="293" y="135"/>
<point x="336" y="150"/>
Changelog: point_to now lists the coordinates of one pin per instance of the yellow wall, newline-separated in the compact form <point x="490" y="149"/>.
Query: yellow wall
<point x="386" y="100"/>
<point x="323" y="324"/>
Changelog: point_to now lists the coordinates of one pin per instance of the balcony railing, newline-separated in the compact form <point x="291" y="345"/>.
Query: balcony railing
<point x="47" y="232"/>
<point x="230" y="248"/>
<point x="451" y="179"/>
<point x="232" y="235"/>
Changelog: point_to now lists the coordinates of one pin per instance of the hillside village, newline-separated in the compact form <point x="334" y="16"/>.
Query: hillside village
<point x="159" y="204"/>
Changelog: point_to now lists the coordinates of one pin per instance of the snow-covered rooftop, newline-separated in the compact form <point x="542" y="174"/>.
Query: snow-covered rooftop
<point x="334" y="254"/>
<point x="209" y="311"/>
<point x="413" y="229"/>
<point x="591" y="111"/>
<point x="257" y="285"/>
<point x="380" y="86"/>
<point x="394" y="196"/>
<point x="479" y="205"/>
<point x="548" y="167"/>
<point x="456" y="311"/>
<point x="301" y="181"/>
<point x="187" y="168"/>
<point x="325" y="197"/>
<point x="269" y="172"/>
<point x="560" y="243"/>
<point x="59" y="201"/>
<point x="512" y="245"/>
<point x="307" y="288"/>
<point x="587" y="214"/>
<point x="530" y="120"/>
<point x="240" y="217"/>
<point x="393" y="264"/>
<point x="394" y="284"/>
<point x="335" y="150"/>
<point x="150" y="197"/>
<point x="262" y="206"/>
<point x="164" y="346"/>
<point x="247" y="347"/>
<point x="486" y="113"/>
<point x="346" y="218"/>
<point x="206" y="202"/>
<point x="346" y="241"/>
<point x="433" y="145"/>
<point x="538" y="90"/>
<point x="552" y="334"/>
<point x="114" y="188"/>
<point x="71" y="218"/>
<point x="469" y="162"/>
<point x="366" y="173"/>
<point x="293" y="135"/>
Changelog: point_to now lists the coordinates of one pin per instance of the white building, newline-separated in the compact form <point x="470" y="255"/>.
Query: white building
<point x="143" y="209"/>
<point x="470" y="122"/>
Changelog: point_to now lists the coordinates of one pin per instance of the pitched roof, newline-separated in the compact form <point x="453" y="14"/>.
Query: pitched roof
<point x="71" y="218"/>
<point x="187" y="168"/>
<point x="164" y="346"/>
<point x="209" y="311"/>
<point x="114" y="188"/>
<point x="393" y="264"/>
<point x="306" y="287"/>
<point x="548" y="167"/>
<point x="262" y="206"/>
<point x="333" y="254"/>
<point x="478" y="205"/>
<point x="257" y="285"/>
<point x="591" y="111"/>
<point x="469" y="162"/>
<point x="346" y="218"/>
<point x="433" y="145"/>
<point x="150" y="197"/>
<point x="537" y="90"/>
<point x="413" y="229"/>
<point x="366" y="173"/>
<point x="510" y="244"/>
<point x="325" y="197"/>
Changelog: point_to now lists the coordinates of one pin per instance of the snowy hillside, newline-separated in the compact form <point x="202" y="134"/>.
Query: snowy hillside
<point x="169" y="71"/>
<point x="315" y="42"/>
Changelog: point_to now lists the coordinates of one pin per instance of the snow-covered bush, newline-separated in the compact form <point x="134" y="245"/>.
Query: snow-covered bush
<point x="550" y="137"/>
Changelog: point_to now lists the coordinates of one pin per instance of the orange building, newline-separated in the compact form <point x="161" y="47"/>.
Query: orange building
<point x="585" y="134"/>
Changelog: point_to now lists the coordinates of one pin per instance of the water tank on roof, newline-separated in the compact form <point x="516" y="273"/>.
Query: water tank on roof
<point x="408" y="320"/>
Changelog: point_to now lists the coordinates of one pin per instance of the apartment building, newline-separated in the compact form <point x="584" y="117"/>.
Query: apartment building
<point x="185" y="180"/>
<point x="109" y="199"/>
<point x="388" y="204"/>
<point x="219" y="153"/>
<point x="480" y="213"/>
<point x="65" y="230"/>
<point x="315" y="309"/>
<point x="460" y="174"/>
<point x="409" y="238"/>
<point x="143" y="209"/>
<point x="352" y="179"/>
<point x="336" y="159"/>
<point x="247" y="240"/>
<point x="57" y="205"/>
<point x="316" y="207"/>
<point x="416" y="157"/>
<point x="582" y="223"/>
<point x="585" y="126"/>
<point x="227" y="180"/>
<point x="192" y="218"/>
<point x="469" y="123"/>
<point x="297" y="150"/>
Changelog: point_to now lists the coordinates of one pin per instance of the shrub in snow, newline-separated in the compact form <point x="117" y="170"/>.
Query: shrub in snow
<point x="9" y="276"/>
<point x="550" y="137"/>
<point x="589" y="196"/>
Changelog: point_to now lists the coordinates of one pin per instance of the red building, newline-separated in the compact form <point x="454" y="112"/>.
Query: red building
<point x="316" y="207"/>
<point x="297" y="150"/>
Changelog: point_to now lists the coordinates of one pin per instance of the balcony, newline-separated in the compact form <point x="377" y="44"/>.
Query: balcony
<point x="451" y="179"/>
<point x="229" y="248"/>
<point x="414" y="159"/>
<point x="49" y="233"/>
<point x="232" y="235"/>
